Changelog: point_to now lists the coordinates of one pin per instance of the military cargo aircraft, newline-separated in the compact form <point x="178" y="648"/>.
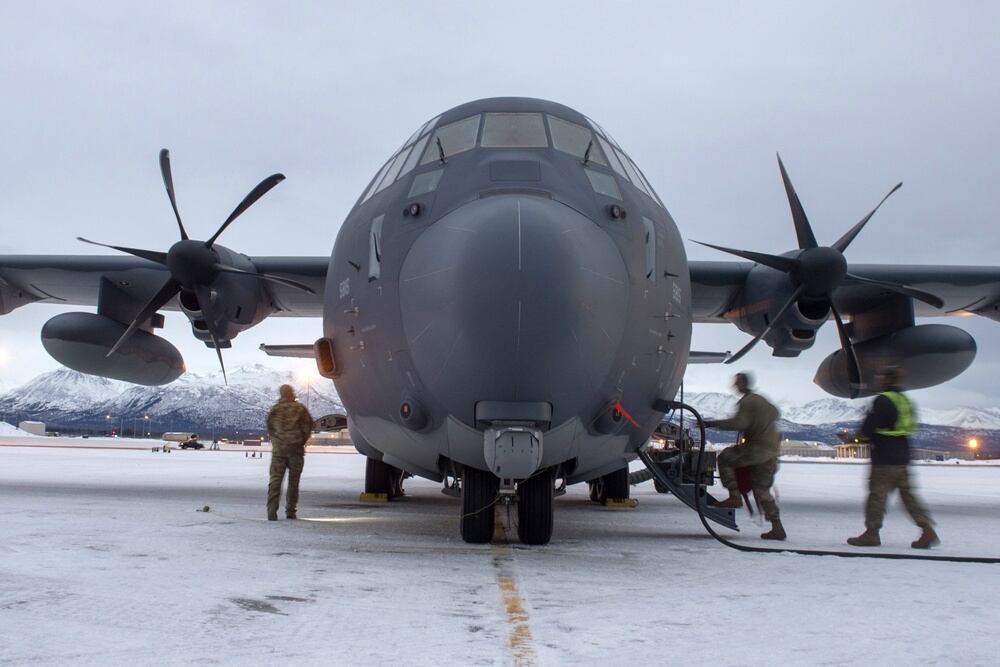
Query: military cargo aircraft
<point x="507" y="308"/>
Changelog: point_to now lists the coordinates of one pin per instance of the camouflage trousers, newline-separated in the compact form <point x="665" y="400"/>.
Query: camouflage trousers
<point x="762" y="464"/>
<point x="884" y="479"/>
<point x="294" y="466"/>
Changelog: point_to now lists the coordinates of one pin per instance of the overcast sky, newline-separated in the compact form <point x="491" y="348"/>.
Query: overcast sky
<point x="855" y="96"/>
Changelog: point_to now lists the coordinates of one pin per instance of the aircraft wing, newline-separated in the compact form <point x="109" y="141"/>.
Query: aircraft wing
<point x="78" y="280"/>
<point x="720" y="291"/>
<point x="874" y="307"/>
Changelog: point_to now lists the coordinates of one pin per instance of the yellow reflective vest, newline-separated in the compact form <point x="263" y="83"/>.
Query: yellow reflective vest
<point x="904" y="415"/>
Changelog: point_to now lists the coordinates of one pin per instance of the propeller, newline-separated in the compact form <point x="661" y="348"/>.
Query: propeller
<point x="195" y="265"/>
<point x="817" y="271"/>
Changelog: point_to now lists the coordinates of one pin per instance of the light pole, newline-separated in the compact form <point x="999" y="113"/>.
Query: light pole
<point x="146" y="427"/>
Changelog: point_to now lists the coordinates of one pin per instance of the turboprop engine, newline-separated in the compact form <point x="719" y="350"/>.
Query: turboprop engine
<point x="84" y="342"/>
<point x="927" y="354"/>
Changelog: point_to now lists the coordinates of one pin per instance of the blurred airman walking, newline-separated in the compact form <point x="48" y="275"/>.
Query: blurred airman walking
<point x="755" y="419"/>
<point x="289" y="425"/>
<point x="890" y="420"/>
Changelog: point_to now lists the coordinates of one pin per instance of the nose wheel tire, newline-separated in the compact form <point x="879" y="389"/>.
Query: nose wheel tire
<point x="380" y="477"/>
<point x="534" y="508"/>
<point x="479" y="495"/>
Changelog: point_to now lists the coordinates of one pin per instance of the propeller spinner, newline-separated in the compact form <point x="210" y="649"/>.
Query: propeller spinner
<point x="817" y="271"/>
<point x="195" y="265"/>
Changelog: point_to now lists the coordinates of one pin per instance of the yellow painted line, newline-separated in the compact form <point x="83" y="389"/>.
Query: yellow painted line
<point x="519" y="641"/>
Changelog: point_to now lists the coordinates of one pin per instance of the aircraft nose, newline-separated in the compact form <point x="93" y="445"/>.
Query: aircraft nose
<point x="514" y="298"/>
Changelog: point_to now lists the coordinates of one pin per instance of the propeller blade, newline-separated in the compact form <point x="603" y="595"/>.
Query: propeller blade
<point x="846" y="239"/>
<point x="912" y="292"/>
<point x="151" y="255"/>
<point x="222" y="268"/>
<point x="783" y="264"/>
<point x="160" y="299"/>
<point x="803" y="230"/>
<point x="248" y="201"/>
<point x="777" y="318"/>
<point x="853" y="367"/>
<point x="168" y="182"/>
<point x="204" y="295"/>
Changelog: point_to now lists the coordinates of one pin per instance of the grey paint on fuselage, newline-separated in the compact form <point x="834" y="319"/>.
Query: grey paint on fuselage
<point x="513" y="283"/>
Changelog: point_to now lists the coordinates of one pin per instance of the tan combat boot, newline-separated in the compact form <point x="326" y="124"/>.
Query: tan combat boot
<point x="927" y="539"/>
<point x="869" y="538"/>
<point x="733" y="502"/>
<point x="777" y="531"/>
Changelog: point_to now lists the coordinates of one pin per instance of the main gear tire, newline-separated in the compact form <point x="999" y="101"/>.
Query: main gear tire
<point x="534" y="508"/>
<point x="380" y="477"/>
<point x="596" y="486"/>
<point x="479" y="495"/>
<point x="614" y="485"/>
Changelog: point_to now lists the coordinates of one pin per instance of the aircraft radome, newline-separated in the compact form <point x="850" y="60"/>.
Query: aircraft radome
<point x="506" y="308"/>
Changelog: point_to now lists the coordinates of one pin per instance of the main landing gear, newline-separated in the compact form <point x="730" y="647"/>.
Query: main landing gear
<point x="383" y="479"/>
<point x="481" y="491"/>
<point x="613" y="486"/>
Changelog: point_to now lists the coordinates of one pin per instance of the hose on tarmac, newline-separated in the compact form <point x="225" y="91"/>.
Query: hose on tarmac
<point x="700" y="494"/>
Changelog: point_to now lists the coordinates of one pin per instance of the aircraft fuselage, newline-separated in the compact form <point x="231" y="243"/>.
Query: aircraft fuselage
<point x="522" y="261"/>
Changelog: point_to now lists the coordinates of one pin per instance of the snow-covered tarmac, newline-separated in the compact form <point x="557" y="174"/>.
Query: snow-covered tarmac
<point x="106" y="559"/>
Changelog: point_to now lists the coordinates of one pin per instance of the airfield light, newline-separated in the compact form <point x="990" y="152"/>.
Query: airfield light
<point x="973" y="443"/>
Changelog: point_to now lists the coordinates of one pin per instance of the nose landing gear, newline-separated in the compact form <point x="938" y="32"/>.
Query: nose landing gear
<point x="482" y="491"/>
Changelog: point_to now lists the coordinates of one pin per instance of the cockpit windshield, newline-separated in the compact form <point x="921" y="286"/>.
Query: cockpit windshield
<point x="523" y="130"/>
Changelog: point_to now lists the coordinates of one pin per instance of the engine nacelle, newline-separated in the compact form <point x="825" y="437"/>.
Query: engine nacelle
<point x="928" y="355"/>
<point x="81" y="341"/>
<point x="796" y="331"/>
<point x="239" y="302"/>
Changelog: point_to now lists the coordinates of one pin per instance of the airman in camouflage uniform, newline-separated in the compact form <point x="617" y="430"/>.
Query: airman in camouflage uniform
<point x="289" y="424"/>
<point x="755" y="419"/>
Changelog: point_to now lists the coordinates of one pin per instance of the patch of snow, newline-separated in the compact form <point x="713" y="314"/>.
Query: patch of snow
<point x="10" y="429"/>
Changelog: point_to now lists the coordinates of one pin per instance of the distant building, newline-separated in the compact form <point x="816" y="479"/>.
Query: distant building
<point x="807" y="449"/>
<point x="34" y="428"/>
<point x="853" y="450"/>
<point x="860" y="450"/>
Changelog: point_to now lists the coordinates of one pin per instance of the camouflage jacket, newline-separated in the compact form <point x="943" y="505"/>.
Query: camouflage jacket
<point x="290" y="426"/>
<point x="755" y="418"/>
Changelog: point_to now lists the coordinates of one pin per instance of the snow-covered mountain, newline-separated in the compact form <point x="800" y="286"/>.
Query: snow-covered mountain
<point x="67" y="399"/>
<point x="825" y="411"/>
<point x="202" y="402"/>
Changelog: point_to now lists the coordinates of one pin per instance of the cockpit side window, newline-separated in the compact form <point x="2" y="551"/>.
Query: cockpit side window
<point x="610" y="152"/>
<point x="575" y="140"/>
<point x="411" y="161"/>
<point x="402" y="161"/>
<point x="514" y="130"/>
<point x="390" y="176"/>
<point x="633" y="173"/>
<point x="622" y="163"/>
<point x="603" y="184"/>
<point x="420" y="130"/>
<point x="377" y="181"/>
<point x="454" y="138"/>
